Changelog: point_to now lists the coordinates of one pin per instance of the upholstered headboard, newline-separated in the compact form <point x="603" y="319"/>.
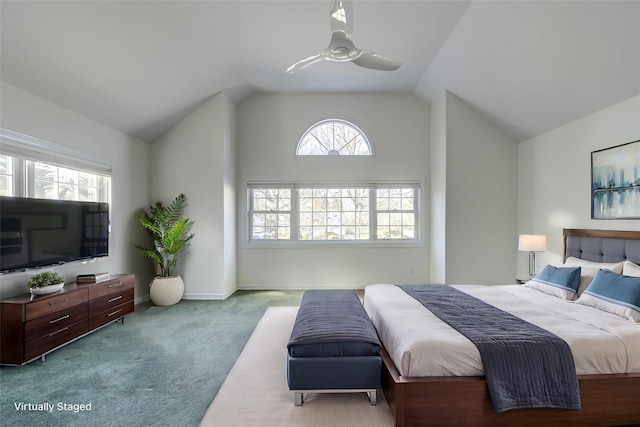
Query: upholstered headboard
<point x="602" y="245"/>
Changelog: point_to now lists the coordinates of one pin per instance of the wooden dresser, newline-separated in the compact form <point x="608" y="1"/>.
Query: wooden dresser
<point x="31" y="327"/>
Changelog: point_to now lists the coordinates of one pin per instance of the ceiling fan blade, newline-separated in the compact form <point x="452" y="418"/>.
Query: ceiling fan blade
<point x="376" y="61"/>
<point x="341" y="16"/>
<point x="305" y="63"/>
<point x="341" y="48"/>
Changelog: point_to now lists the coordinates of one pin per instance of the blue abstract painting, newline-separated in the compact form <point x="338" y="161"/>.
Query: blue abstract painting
<point x="615" y="182"/>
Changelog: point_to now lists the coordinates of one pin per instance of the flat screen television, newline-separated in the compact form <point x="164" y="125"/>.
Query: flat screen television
<point x="41" y="232"/>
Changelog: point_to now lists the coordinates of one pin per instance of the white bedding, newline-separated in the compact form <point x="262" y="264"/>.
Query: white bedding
<point x="420" y="344"/>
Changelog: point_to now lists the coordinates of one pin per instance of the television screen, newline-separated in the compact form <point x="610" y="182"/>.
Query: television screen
<point x="39" y="232"/>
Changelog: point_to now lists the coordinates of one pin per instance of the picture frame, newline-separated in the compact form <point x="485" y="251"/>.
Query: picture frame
<point x="615" y="182"/>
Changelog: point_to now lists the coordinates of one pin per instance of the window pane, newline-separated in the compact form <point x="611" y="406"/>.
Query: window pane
<point x="6" y="165"/>
<point x="67" y="192"/>
<point x="306" y="204"/>
<point x="408" y="219"/>
<point x="44" y="172"/>
<point x="383" y="219"/>
<point x="334" y="218"/>
<point x="68" y="176"/>
<point x="396" y="213"/>
<point x="6" y="176"/>
<point x="270" y="215"/>
<point x="46" y="190"/>
<point x="319" y="219"/>
<point x="305" y="233"/>
<point x="332" y="213"/>
<point x="334" y="138"/>
<point x="306" y="219"/>
<point x="5" y="186"/>
<point x="382" y="203"/>
<point x="53" y="182"/>
<point x="409" y="232"/>
<point x="362" y="233"/>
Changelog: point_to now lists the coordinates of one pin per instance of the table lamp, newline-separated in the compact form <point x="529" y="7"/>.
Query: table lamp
<point x="532" y="243"/>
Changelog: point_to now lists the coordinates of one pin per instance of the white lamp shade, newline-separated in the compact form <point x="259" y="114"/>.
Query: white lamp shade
<point x="532" y="242"/>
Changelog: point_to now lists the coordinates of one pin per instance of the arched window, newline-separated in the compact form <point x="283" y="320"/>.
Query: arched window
<point x="334" y="137"/>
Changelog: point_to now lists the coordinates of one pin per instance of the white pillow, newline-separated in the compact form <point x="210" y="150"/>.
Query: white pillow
<point x="550" y="289"/>
<point x="561" y="282"/>
<point x="631" y="269"/>
<point x="589" y="270"/>
<point x="614" y="293"/>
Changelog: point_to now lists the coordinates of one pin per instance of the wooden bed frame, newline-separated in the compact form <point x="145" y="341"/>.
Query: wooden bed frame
<point x="607" y="400"/>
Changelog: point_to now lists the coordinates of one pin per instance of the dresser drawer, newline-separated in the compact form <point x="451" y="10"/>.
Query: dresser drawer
<point x="109" y="301"/>
<point x="54" y="339"/>
<point x="110" y="315"/>
<point x="51" y="304"/>
<point x="109" y="286"/>
<point x="55" y="321"/>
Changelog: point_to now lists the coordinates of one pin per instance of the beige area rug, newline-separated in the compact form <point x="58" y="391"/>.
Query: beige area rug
<point x="255" y="392"/>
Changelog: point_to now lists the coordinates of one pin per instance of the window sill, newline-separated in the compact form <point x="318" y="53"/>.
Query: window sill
<point x="322" y="244"/>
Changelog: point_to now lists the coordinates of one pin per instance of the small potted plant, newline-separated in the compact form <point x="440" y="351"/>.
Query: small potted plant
<point x="45" y="283"/>
<point x="170" y="233"/>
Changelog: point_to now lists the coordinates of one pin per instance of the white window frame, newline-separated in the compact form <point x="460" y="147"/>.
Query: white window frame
<point x="253" y="210"/>
<point x="26" y="150"/>
<point x="344" y="122"/>
<point x="296" y="241"/>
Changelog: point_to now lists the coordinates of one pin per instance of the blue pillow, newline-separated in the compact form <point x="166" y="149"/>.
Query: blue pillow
<point x="561" y="282"/>
<point x="614" y="293"/>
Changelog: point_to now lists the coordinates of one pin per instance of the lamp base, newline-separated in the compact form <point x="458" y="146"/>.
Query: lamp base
<point x="532" y="264"/>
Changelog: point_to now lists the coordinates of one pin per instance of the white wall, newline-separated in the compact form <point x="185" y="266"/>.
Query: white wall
<point x="478" y="191"/>
<point x="31" y="115"/>
<point x="269" y="126"/>
<point x="554" y="176"/>
<point x="196" y="157"/>
<point x="438" y="192"/>
<point x="230" y="237"/>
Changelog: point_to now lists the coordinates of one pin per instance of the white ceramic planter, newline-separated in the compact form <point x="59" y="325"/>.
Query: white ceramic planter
<point x="46" y="289"/>
<point x="166" y="290"/>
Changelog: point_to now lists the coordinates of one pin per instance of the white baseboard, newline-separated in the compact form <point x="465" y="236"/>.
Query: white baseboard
<point x="208" y="296"/>
<point x="269" y="287"/>
<point x="139" y="300"/>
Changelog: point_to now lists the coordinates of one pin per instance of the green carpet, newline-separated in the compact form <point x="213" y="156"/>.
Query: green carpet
<point x="163" y="367"/>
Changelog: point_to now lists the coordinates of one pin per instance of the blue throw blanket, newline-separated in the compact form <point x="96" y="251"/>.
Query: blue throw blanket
<point x="525" y="366"/>
<point x="332" y="323"/>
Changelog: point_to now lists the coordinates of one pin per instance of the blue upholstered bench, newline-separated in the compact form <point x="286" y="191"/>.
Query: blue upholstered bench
<point x="334" y="347"/>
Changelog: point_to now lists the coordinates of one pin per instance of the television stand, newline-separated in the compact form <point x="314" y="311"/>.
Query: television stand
<point x="32" y="327"/>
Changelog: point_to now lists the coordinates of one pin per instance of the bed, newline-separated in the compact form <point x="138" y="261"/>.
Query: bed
<point x="426" y="385"/>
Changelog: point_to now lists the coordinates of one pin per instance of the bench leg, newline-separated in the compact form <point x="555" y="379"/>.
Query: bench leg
<point x="373" y="397"/>
<point x="298" y="396"/>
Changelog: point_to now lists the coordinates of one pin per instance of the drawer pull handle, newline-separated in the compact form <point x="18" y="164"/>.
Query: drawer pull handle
<point x="115" y="312"/>
<point x="115" y="285"/>
<point x="59" y="319"/>
<point x="59" y="302"/>
<point x="116" y="298"/>
<point x="57" y="332"/>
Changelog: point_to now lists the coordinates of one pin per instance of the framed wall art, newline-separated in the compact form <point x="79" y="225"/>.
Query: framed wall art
<point x="615" y="182"/>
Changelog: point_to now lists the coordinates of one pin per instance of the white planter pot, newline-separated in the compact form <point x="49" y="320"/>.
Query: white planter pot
<point x="47" y="289"/>
<point x="166" y="290"/>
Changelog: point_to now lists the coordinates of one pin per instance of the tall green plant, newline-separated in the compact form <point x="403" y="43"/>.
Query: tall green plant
<point x="170" y="233"/>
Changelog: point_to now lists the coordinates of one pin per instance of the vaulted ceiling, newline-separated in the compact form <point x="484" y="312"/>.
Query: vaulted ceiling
<point x="141" y="66"/>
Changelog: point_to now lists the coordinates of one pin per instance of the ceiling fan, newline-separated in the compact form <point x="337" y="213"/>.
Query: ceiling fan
<point x="341" y="48"/>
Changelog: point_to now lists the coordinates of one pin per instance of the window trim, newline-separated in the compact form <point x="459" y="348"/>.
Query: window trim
<point x="295" y="242"/>
<point x="351" y="123"/>
<point x="25" y="148"/>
